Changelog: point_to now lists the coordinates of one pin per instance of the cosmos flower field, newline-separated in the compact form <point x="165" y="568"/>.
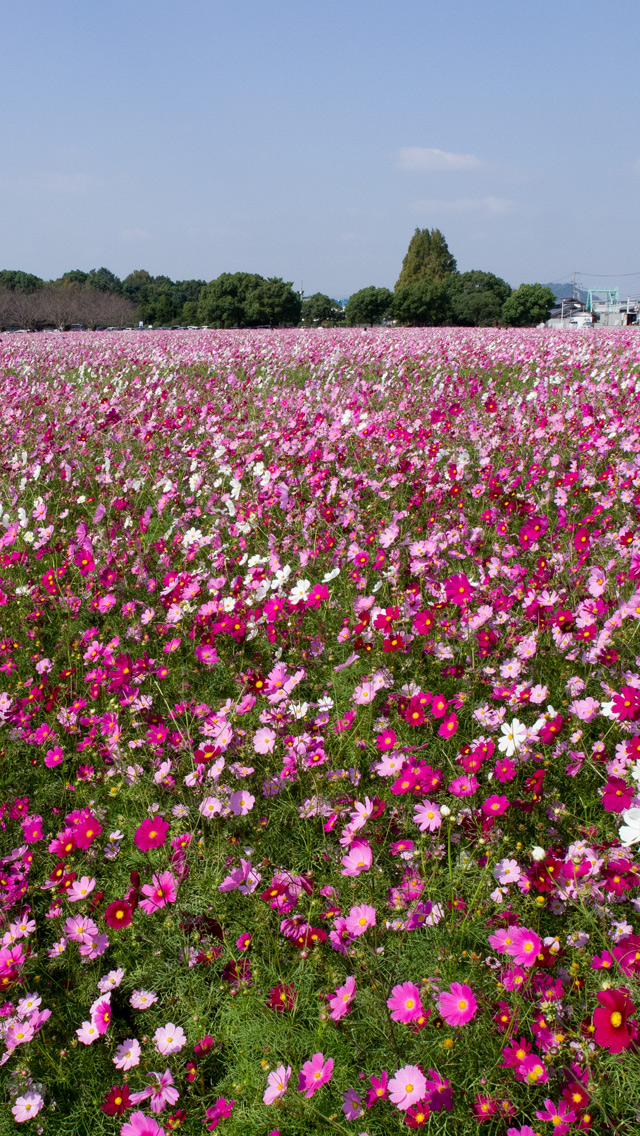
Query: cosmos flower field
<point x="320" y="732"/>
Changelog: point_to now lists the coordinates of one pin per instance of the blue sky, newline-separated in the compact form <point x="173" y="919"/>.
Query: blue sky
<point x="308" y="138"/>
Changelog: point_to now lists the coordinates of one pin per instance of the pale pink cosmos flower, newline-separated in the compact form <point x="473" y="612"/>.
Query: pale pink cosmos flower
<point x="210" y="807"/>
<point x="111" y="980"/>
<point x="28" y="1004"/>
<point x="80" y="889"/>
<point x="127" y="1054"/>
<point x="88" y="1033"/>
<point x="586" y="709"/>
<point x="507" y="871"/>
<point x="314" y="1074"/>
<point x="407" y="1087"/>
<point x="27" y="1106"/>
<point x="161" y="891"/>
<point x="427" y="816"/>
<point x="80" y="928"/>
<point x="142" y="999"/>
<point x="358" y="859"/>
<point x="94" y="946"/>
<point x="458" y="1005"/>
<point x="241" y="802"/>
<point x="264" y="740"/>
<point x="364" y="694"/>
<point x="277" y="1082"/>
<point x="405" y="1003"/>
<point x="162" y="1092"/>
<point x="360" y="918"/>
<point x="169" y="1039"/>
<point x="342" y="999"/>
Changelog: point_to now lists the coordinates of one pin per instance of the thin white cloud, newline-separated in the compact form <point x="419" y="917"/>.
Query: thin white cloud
<point x="489" y="204"/>
<point x="432" y="160"/>
<point x="134" y="235"/>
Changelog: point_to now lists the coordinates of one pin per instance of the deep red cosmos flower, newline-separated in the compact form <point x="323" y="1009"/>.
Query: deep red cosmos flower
<point x="613" y="1031"/>
<point x="118" y="914"/>
<point x="117" y="1100"/>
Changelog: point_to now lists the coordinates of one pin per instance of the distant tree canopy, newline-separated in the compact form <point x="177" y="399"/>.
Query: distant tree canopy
<point x="16" y="280"/>
<point x="319" y="308"/>
<point x="427" y="258"/>
<point x="529" y="305"/>
<point x="245" y="299"/>
<point x="425" y="303"/>
<point x="368" y="306"/>
<point x="477" y="298"/>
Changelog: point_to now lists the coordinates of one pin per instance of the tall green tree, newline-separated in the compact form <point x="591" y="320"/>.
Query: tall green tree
<point x="17" y="281"/>
<point x="427" y="258"/>
<point x="477" y="298"/>
<point x="368" y="306"/>
<point x="529" y="305"/>
<point x="317" y="308"/>
<point x="245" y="299"/>
<point x="426" y="303"/>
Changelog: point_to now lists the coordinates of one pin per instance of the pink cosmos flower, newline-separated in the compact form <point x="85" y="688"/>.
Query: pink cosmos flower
<point x="161" y="891"/>
<point x="407" y="1087"/>
<point x="560" y="1115"/>
<point x="101" y="1013"/>
<point x="357" y="860"/>
<point x="80" y="889"/>
<point x="405" y="1004"/>
<point x="464" y="786"/>
<point x="127" y="1054"/>
<point x="495" y="806"/>
<point x="524" y="946"/>
<point x="162" y="1092"/>
<point x="86" y="831"/>
<point x="152" y="833"/>
<point x="264" y="740"/>
<point x="169" y="1039"/>
<point x="140" y="1125"/>
<point x="142" y="999"/>
<point x="241" y="802"/>
<point x="210" y="807"/>
<point x="277" y="1082"/>
<point x="342" y="999"/>
<point x="54" y="757"/>
<point x="507" y="871"/>
<point x="427" y="816"/>
<point x="458" y="589"/>
<point x="314" y="1074"/>
<point x="27" y="1106"/>
<point x="352" y="1104"/>
<point x="88" y="1033"/>
<point x="459" y="1005"/>
<point x="360" y="918"/>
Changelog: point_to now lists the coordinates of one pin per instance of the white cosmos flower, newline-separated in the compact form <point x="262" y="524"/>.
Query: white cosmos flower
<point x="300" y="591"/>
<point x="514" y="735"/>
<point x="629" y="832"/>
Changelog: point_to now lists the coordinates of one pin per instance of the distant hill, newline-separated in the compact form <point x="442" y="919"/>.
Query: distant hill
<point x="565" y="292"/>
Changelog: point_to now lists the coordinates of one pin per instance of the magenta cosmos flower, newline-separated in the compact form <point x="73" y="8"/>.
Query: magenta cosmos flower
<point x="314" y="1074"/>
<point x="162" y="890"/>
<point x="407" y="1087"/>
<point x="152" y="833"/>
<point x="405" y="1003"/>
<point x="459" y="1005"/>
<point x="524" y="947"/>
<point x="141" y="1125"/>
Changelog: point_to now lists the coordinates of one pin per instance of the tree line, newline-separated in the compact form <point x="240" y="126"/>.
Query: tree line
<point x="429" y="292"/>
